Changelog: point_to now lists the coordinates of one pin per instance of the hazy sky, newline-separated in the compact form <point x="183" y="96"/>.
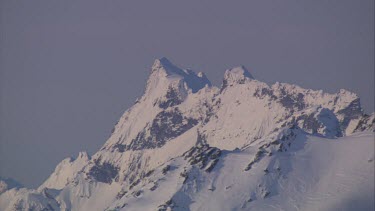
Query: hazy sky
<point x="69" y="69"/>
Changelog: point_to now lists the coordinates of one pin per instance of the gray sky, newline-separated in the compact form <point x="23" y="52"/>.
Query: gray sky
<point x="69" y="69"/>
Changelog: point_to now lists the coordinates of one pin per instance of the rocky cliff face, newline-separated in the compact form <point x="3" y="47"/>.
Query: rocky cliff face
<point x="177" y="137"/>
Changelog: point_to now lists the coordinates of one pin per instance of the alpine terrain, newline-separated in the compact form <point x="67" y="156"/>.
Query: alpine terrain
<point x="188" y="145"/>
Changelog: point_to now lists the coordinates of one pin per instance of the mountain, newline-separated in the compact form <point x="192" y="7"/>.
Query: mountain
<point x="188" y="145"/>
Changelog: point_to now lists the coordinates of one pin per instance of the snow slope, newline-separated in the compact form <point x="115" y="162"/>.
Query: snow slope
<point x="314" y="173"/>
<point x="187" y="145"/>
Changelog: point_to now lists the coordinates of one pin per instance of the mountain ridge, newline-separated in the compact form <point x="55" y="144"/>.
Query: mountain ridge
<point x="184" y="128"/>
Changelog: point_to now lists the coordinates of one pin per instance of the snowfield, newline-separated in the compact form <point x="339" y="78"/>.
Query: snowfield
<point x="187" y="145"/>
<point x="314" y="174"/>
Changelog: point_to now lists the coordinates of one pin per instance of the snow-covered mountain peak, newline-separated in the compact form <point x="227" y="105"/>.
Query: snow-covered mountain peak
<point x="166" y="67"/>
<point x="237" y="73"/>
<point x="166" y="77"/>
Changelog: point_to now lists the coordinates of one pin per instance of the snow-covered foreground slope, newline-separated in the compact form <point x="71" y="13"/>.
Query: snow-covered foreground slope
<point x="313" y="174"/>
<point x="187" y="145"/>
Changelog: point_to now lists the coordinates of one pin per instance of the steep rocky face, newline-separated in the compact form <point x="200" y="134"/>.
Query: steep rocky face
<point x="183" y="130"/>
<point x="202" y="155"/>
<point x="172" y="98"/>
<point x="365" y="123"/>
<point x="167" y="125"/>
<point x="318" y="120"/>
<point x="352" y="111"/>
<point x="103" y="172"/>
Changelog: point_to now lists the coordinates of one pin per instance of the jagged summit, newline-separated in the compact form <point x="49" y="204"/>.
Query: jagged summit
<point x="236" y="75"/>
<point x="165" y="68"/>
<point x="239" y="72"/>
<point x="164" y="65"/>
<point x="83" y="155"/>
<point x="164" y="73"/>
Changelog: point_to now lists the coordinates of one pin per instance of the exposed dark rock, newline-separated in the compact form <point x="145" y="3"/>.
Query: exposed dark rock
<point x="134" y="184"/>
<point x="185" y="175"/>
<point x="209" y="112"/>
<point x="212" y="188"/>
<point x="365" y="124"/>
<point x="172" y="99"/>
<point x="265" y="194"/>
<point x="313" y="122"/>
<point x="166" y="169"/>
<point x="287" y="139"/>
<point x="149" y="173"/>
<point x="121" y="194"/>
<point x="275" y="142"/>
<point x="120" y="147"/>
<point x="283" y="143"/>
<point x="310" y="122"/>
<point x="103" y="172"/>
<point x="352" y="111"/>
<point x="258" y="156"/>
<point x="224" y="85"/>
<point x="154" y="187"/>
<point x="262" y="93"/>
<point x="137" y="194"/>
<point x="292" y="101"/>
<point x="18" y="205"/>
<point x="211" y="165"/>
<point x="168" y="204"/>
<point x="166" y="126"/>
<point x="202" y="155"/>
<point x="119" y="207"/>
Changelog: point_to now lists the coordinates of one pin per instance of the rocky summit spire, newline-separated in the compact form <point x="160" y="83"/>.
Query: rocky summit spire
<point x="236" y="75"/>
<point x="164" y="65"/>
<point x="164" y="68"/>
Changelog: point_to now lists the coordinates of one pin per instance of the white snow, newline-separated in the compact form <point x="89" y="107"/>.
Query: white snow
<point x="65" y="172"/>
